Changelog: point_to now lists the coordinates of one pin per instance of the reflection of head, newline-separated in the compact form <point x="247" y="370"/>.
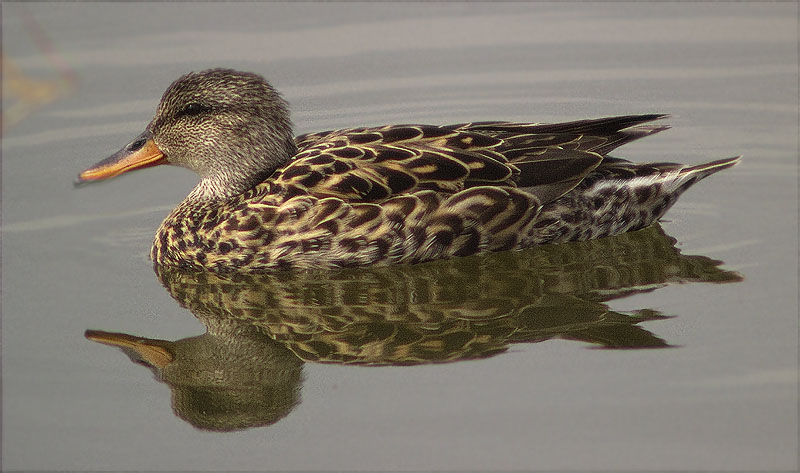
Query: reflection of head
<point x="224" y="409"/>
<point x="239" y="381"/>
<point x="224" y="382"/>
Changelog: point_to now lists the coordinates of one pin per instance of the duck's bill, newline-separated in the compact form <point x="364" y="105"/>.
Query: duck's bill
<point x="139" y="153"/>
<point x="140" y="348"/>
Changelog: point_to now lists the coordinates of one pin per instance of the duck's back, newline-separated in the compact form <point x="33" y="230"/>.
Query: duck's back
<point x="374" y="164"/>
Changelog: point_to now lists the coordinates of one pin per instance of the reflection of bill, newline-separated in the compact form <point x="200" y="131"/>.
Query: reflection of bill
<point x="228" y="381"/>
<point x="22" y="95"/>
<point x="261" y="328"/>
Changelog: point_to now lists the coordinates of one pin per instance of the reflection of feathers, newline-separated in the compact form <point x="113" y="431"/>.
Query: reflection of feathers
<point x="246" y="370"/>
<point x="450" y="309"/>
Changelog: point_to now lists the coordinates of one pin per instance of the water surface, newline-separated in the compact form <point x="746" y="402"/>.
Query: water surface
<point x="723" y="395"/>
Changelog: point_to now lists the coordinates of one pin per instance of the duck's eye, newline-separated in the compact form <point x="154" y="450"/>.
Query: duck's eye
<point x="194" y="108"/>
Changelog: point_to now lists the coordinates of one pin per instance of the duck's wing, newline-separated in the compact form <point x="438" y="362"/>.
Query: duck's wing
<point x="600" y="135"/>
<point x="374" y="164"/>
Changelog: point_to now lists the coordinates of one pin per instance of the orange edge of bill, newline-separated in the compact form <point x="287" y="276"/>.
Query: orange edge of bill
<point x="146" y="156"/>
<point x="151" y="353"/>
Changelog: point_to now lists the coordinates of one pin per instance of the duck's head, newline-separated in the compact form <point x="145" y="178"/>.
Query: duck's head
<point x="232" y="128"/>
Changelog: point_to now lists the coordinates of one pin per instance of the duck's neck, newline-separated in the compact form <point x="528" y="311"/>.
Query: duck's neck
<point x="208" y="191"/>
<point x="240" y="172"/>
<point x="224" y="187"/>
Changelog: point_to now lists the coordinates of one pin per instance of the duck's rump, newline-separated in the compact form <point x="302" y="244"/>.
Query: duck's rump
<point x="619" y="196"/>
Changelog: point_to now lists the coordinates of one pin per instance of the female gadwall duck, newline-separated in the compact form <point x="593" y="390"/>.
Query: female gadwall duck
<point x="393" y="194"/>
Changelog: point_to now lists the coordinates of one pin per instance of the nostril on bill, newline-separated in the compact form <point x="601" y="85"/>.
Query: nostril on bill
<point x="136" y="144"/>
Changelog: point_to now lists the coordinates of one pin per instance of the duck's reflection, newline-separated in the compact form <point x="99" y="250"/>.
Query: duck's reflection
<point x="246" y="370"/>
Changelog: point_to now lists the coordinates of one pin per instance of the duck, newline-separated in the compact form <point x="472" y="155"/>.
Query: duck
<point x="267" y="200"/>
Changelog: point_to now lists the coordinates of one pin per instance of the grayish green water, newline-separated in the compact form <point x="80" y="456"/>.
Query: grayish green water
<point x="724" y="397"/>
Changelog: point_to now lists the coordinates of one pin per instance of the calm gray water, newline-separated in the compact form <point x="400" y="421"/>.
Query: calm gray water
<point x="724" y="396"/>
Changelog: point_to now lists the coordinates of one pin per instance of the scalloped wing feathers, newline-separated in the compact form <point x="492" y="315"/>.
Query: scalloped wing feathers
<point x="374" y="164"/>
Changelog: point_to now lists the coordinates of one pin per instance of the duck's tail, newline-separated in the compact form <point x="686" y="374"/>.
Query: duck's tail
<point x="689" y="175"/>
<point x="619" y="197"/>
<point x="707" y="169"/>
<point x="656" y="198"/>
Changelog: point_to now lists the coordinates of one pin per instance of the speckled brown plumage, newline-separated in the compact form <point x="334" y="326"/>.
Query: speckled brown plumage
<point x="392" y="194"/>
